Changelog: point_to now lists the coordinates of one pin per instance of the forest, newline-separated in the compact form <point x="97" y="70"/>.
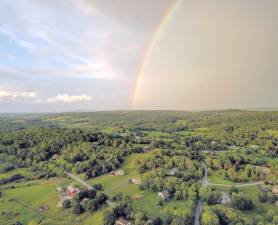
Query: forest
<point x="163" y="157"/>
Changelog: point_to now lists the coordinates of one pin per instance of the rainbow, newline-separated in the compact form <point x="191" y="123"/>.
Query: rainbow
<point x="150" y="45"/>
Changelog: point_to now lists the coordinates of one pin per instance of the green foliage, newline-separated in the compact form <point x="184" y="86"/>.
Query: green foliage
<point x="241" y="201"/>
<point x="238" y="146"/>
<point x="108" y="218"/>
<point x="66" y="204"/>
<point x="209" y="217"/>
<point x="77" y="209"/>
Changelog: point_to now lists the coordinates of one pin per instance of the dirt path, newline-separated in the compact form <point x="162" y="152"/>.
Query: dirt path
<point x="84" y="183"/>
<point x="236" y="185"/>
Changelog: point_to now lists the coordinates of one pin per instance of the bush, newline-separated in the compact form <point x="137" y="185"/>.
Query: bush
<point x="77" y="209"/>
<point x="160" y="202"/>
<point x="108" y="218"/>
<point x="98" y="187"/>
<point x="262" y="197"/>
<point x="66" y="204"/>
<point x="118" y="197"/>
<point x="232" y="190"/>
<point x="157" y="221"/>
<point x="241" y="201"/>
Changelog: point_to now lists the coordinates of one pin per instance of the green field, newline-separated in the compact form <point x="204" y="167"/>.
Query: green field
<point x="24" y="199"/>
<point x="143" y="200"/>
<point x="252" y="192"/>
<point x="215" y="179"/>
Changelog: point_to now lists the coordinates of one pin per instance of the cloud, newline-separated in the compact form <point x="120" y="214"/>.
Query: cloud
<point x="86" y="71"/>
<point x="16" y="95"/>
<point x="65" y="98"/>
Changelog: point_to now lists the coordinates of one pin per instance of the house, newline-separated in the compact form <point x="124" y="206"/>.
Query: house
<point x="224" y="199"/>
<point x="264" y="169"/>
<point x="55" y="156"/>
<point x="137" y="139"/>
<point x="71" y="191"/>
<point x="122" y="221"/>
<point x="134" y="181"/>
<point x="117" y="173"/>
<point x="164" y="195"/>
<point x="255" y="147"/>
<point x="95" y="143"/>
<point x="146" y="148"/>
<point x="275" y="190"/>
<point x="60" y="189"/>
<point x="173" y="172"/>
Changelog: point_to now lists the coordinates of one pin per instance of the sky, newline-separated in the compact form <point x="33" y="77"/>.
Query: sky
<point x="87" y="55"/>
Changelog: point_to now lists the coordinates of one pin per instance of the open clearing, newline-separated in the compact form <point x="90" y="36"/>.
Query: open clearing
<point x="252" y="192"/>
<point x="146" y="201"/>
<point x="23" y="201"/>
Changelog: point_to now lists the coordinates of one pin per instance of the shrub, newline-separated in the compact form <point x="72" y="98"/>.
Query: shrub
<point x="66" y="204"/>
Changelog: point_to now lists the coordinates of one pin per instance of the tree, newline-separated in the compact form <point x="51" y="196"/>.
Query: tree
<point x="139" y="218"/>
<point x="91" y="205"/>
<point x="233" y="189"/>
<point x="209" y="218"/>
<point x="160" y="202"/>
<point x="108" y="218"/>
<point x="91" y="193"/>
<point x="18" y="223"/>
<point x="66" y="204"/>
<point x="262" y="196"/>
<point x="101" y="198"/>
<point x="118" y="197"/>
<point x="241" y="201"/>
<point x="157" y="221"/>
<point x="98" y="187"/>
<point x="77" y="209"/>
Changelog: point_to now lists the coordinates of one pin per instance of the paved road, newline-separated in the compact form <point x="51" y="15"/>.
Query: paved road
<point x="204" y="182"/>
<point x="204" y="179"/>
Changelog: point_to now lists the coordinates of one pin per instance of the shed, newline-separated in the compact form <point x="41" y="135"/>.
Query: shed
<point x="164" y="195"/>
<point x="122" y="221"/>
<point x="275" y="190"/>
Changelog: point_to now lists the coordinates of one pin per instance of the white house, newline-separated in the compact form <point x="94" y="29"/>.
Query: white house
<point x="164" y="195"/>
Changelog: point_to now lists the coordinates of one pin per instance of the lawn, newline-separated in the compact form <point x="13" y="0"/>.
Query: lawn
<point x="28" y="196"/>
<point x="252" y="192"/>
<point x="11" y="211"/>
<point x="115" y="184"/>
<point x="146" y="201"/>
<point x="158" y="134"/>
<point x="217" y="179"/>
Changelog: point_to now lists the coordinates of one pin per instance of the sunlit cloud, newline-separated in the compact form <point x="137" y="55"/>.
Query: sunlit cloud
<point x="65" y="98"/>
<point x="16" y="95"/>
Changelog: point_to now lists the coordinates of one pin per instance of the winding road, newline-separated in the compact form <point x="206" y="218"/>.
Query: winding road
<point x="204" y="182"/>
